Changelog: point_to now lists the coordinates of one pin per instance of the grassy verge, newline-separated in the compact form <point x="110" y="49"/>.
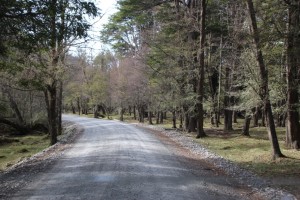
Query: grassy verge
<point x="254" y="152"/>
<point x="16" y="148"/>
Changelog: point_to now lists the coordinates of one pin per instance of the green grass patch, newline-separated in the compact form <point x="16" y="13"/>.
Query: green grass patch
<point x="254" y="152"/>
<point x="16" y="148"/>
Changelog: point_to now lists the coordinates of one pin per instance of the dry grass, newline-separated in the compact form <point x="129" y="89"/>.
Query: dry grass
<point x="253" y="152"/>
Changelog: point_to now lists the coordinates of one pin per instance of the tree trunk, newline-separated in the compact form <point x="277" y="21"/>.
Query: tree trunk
<point x="264" y="89"/>
<point x="141" y="114"/>
<point x="227" y="103"/>
<point x="255" y="112"/>
<point x="165" y="115"/>
<point x="292" y="76"/>
<point x="216" y="118"/>
<point x="157" y="117"/>
<point x="283" y="119"/>
<point x="228" y="120"/>
<point x="134" y="112"/>
<point x="246" y="125"/>
<point x="186" y="122"/>
<point x="181" y="120"/>
<point x="78" y="105"/>
<point x="213" y="84"/>
<point x="102" y="107"/>
<point x="31" y="108"/>
<point x="59" y="108"/>
<point x="212" y="120"/>
<point x="73" y="108"/>
<point x="106" y="111"/>
<point x="86" y="108"/>
<point x="234" y="117"/>
<point x="161" y="117"/>
<point x="200" y="85"/>
<point x="51" y="89"/>
<point x="281" y="116"/>
<point x="218" y="111"/>
<point x="150" y="117"/>
<point x="50" y="98"/>
<point x="192" y="124"/>
<point x="96" y="111"/>
<point x="121" y="114"/>
<point x="129" y="110"/>
<point x="263" y="119"/>
<point x="174" y="119"/>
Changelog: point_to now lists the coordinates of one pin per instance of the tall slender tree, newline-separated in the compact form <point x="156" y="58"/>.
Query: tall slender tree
<point x="200" y="86"/>
<point x="264" y="88"/>
<point x="293" y="74"/>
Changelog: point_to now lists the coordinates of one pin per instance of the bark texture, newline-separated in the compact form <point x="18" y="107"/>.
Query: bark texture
<point x="292" y="75"/>
<point x="246" y="125"/>
<point x="200" y="86"/>
<point x="264" y="89"/>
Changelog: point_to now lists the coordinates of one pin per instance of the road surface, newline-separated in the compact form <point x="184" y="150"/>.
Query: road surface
<point x="114" y="160"/>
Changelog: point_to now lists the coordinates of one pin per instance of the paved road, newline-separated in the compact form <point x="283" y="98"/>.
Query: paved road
<point x="114" y="160"/>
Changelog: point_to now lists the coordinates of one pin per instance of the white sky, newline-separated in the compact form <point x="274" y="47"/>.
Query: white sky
<point x="94" y="46"/>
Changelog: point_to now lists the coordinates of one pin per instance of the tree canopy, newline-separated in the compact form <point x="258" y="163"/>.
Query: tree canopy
<point x="34" y="45"/>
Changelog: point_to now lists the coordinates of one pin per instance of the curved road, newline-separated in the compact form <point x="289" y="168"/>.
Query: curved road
<point x="114" y="160"/>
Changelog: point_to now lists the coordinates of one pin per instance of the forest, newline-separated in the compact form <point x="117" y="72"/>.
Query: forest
<point x="190" y="60"/>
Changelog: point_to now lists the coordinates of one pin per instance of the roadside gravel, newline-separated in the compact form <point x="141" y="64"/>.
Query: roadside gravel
<point x="260" y="186"/>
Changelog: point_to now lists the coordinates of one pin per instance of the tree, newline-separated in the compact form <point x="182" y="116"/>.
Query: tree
<point x="292" y="74"/>
<point x="100" y="90"/>
<point x="49" y="28"/>
<point x="202" y="61"/>
<point x="200" y="86"/>
<point x="264" y="89"/>
<point x="126" y="32"/>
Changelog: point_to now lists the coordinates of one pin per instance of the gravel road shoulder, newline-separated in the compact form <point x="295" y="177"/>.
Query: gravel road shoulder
<point x="260" y="186"/>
